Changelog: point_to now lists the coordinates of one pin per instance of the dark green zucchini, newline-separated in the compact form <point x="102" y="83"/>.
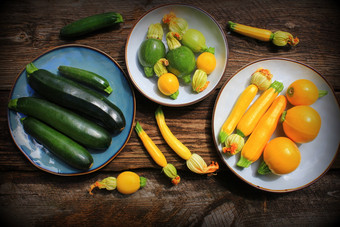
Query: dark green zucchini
<point x="60" y="145"/>
<point x="90" y="24"/>
<point x="89" y="78"/>
<point x="80" y="129"/>
<point x="72" y="95"/>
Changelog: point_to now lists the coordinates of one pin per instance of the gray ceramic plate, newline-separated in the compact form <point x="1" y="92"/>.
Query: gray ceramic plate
<point x="316" y="156"/>
<point x="197" y="19"/>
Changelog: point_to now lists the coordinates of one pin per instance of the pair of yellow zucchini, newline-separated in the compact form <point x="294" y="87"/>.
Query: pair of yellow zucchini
<point x="194" y="162"/>
<point x="261" y="134"/>
<point x="255" y="121"/>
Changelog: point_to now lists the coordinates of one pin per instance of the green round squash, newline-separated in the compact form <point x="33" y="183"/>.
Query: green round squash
<point x="182" y="62"/>
<point x="150" y="51"/>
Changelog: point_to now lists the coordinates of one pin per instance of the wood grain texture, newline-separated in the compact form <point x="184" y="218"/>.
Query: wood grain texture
<point x="205" y="201"/>
<point x="31" y="197"/>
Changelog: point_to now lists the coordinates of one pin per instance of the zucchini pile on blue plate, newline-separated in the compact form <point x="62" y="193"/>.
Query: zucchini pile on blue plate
<point x="68" y="117"/>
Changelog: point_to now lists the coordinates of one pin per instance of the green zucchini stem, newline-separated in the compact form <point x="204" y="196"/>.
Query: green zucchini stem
<point x="322" y="93"/>
<point x="175" y="95"/>
<point x="222" y="136"/>
<point x="186" y="78"/>
<point x="142" y="182"/>
<point x="108" y="90"/>
<point x="30" y="68"/>
<point x="138" y="128"/>
<point x="119" y="18"/>
<point x="148" y="71"/>
<point x="283" y="116"/>
<point x="12" y="104"/>
<point x="240" y="133"/>
<point x="263" y="169"/>
<point x="210" y="50"/>
<point x="243" y="162"/>
<point x="22" y="119"/>
<point x="278" y="86"/>
<point x="232" y="25"/>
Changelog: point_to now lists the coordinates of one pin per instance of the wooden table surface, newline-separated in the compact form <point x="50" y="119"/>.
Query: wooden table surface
<point x="31" y="197"/>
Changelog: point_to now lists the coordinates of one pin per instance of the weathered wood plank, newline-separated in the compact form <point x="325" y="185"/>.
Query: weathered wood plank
<point x="217" y="200"/>
<point x="32" y="197"/>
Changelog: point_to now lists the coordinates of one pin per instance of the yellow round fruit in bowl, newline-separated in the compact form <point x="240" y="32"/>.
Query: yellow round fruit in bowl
<point x="206" y="62"/>
<point x="168" y="84"/>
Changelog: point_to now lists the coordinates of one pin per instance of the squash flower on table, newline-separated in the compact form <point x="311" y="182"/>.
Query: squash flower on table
<point x="281" y="38"/>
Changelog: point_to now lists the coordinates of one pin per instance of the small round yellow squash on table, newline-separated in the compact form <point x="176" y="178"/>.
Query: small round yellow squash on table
<point x="128" y="182"/>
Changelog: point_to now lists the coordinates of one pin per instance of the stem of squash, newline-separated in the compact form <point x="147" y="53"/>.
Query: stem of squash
<point x="322" y="93"/>
<point x="186" y="78"/>
<point x="148" y="71"/>
<point x="12" y="104"/>
<point x="283" y="116"/>
<point x="30" y="68"/>
<point x="243" y="162"/>
<point x="174" y="95"/>
<point x="222" y="136"/>
<point x="263" y="169"/>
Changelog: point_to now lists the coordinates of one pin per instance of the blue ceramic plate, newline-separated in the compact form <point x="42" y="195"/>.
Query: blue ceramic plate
<point x="86" y="58"/>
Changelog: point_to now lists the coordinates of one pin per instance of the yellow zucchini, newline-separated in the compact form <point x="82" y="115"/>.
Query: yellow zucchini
<point x="252" y="32"/>
<point x="171" y="140"/>
<point x="157" y="155"/>
<point x="255" y="144"/>
<point x="193" y="161"/>
<point x="261" y="79"/>
<point x="278" y="38"/>
<point x="237" y="112"/>
<point x="250" y="119"/>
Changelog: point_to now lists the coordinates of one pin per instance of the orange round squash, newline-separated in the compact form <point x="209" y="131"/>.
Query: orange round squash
<point x="168" y="84"/>
<point x="281" y="155"/>
<point x="128" y="182"/>
<point x="302" y="92"/>
<point x="301" y="123"/>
